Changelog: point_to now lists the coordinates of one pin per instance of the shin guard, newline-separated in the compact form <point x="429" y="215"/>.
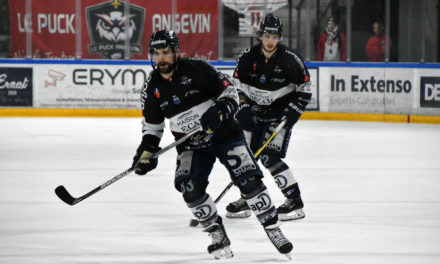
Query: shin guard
<point x="204" y="210"/>
<point x="262" y="206"/>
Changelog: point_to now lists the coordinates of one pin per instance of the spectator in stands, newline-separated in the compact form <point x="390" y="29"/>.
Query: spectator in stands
<point x="375" y="48"/>
<point x="332" y="43"/>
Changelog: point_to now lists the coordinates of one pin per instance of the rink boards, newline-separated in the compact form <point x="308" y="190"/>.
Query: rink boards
<point x="390" y="92"/>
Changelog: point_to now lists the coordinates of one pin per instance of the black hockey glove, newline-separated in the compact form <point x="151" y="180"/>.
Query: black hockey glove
<point x="245" y="117"/>
<point x="143" y="161"/>
<point x="292" y="112"/>
<point x="213" y="117"/>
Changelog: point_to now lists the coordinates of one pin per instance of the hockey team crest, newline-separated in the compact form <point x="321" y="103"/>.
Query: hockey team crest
<point x="110" y="24"/>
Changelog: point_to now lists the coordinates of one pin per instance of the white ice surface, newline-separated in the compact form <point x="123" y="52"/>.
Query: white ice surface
<point x="371" y="193"/>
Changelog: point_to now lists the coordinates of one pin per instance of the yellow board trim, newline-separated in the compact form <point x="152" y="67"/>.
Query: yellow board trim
<point x="355" y="117"/>
<point x="50" y="112"/>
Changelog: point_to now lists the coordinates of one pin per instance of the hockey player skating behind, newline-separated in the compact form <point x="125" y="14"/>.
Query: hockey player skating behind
<point x="272" y="82"/>
<point x="192" y="94"/>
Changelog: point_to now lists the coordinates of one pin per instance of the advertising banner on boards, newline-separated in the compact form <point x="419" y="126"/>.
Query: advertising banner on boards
<point x="89" y="86"/>
<point x="105" y="26"/>
<point x="379" y="90"/>
<point x="404" y="91"/>
<point x="16" y="87"/>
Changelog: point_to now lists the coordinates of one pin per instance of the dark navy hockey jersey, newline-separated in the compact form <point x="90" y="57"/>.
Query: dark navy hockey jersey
<point x="270" y="84"/>
<point x="193" y="88"/>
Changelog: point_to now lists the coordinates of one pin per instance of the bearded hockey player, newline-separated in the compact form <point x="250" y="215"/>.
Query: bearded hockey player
<point x="192" y="95"/>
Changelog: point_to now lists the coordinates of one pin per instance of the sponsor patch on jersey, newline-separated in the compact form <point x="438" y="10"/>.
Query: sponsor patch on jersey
<point x="191" y="92"/>
<point x="236" y="74"/>
<point x="185" y="81"/>
<point x="262" y="78"/>
<point x="156" y="93"/>
<point x="176" y="99"/>
<point x="188" y="121"/>
<point x="277" y="69"/>
<point x="162" y="105"/>
<point x="254" y="66"/>
<point x="306" y="78"/>
<point x="200" y="141"/>
<point x="278" y="80"/>
<point x="305" y="87"/>
<point x="261" y="97"/>
<point x="226" y="83"/>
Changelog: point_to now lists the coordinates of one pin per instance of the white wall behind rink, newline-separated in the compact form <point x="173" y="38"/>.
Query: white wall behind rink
<point x="376" y="90"/>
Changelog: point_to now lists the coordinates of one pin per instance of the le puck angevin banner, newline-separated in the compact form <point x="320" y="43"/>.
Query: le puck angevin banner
<point x="105" y="26"/>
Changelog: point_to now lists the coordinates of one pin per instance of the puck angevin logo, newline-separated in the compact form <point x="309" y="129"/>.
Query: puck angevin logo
<point x="109" y="27"/>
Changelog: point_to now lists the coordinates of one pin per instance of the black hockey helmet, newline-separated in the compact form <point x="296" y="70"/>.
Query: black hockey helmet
<point x="271" y="24"/>
<point x="163" y="39"/>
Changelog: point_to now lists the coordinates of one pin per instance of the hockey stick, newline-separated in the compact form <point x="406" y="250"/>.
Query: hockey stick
<point x="194" y="222"/>
<point x="66" y="197"/>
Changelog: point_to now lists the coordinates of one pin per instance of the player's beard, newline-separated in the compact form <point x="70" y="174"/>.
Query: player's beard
<point x="167" y="69"/>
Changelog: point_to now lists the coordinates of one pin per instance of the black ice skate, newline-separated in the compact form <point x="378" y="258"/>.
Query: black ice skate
<point x="238" y="209"/>
<point x="277" y="238"/>
<point x="291" y="210"/>
<point x="220" y="246"/>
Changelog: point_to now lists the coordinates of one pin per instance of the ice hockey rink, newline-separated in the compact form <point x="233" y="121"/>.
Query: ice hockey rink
<point x="371" y="193"/>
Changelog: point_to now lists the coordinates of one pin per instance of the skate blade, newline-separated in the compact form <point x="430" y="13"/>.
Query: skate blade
<point x="295" y="215"/>
<point x="242" y="214"/>
<point x="223" y="253"/>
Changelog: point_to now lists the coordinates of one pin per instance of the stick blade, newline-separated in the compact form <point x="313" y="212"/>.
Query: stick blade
<point x="64" y="195"/>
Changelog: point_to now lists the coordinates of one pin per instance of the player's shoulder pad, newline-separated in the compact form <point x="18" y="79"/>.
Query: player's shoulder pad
<point x="243" y="53"/>
<point x="148" y="81"/>
<point x="292" y="57"/>
<point x="196" y="63"/>
<point x="192" y="61"/>
<point x="145" y="86"/>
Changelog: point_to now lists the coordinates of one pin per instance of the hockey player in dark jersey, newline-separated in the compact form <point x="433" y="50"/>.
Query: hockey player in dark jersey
<point x="192" y="95"/>
<point x="272" y="82"/>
